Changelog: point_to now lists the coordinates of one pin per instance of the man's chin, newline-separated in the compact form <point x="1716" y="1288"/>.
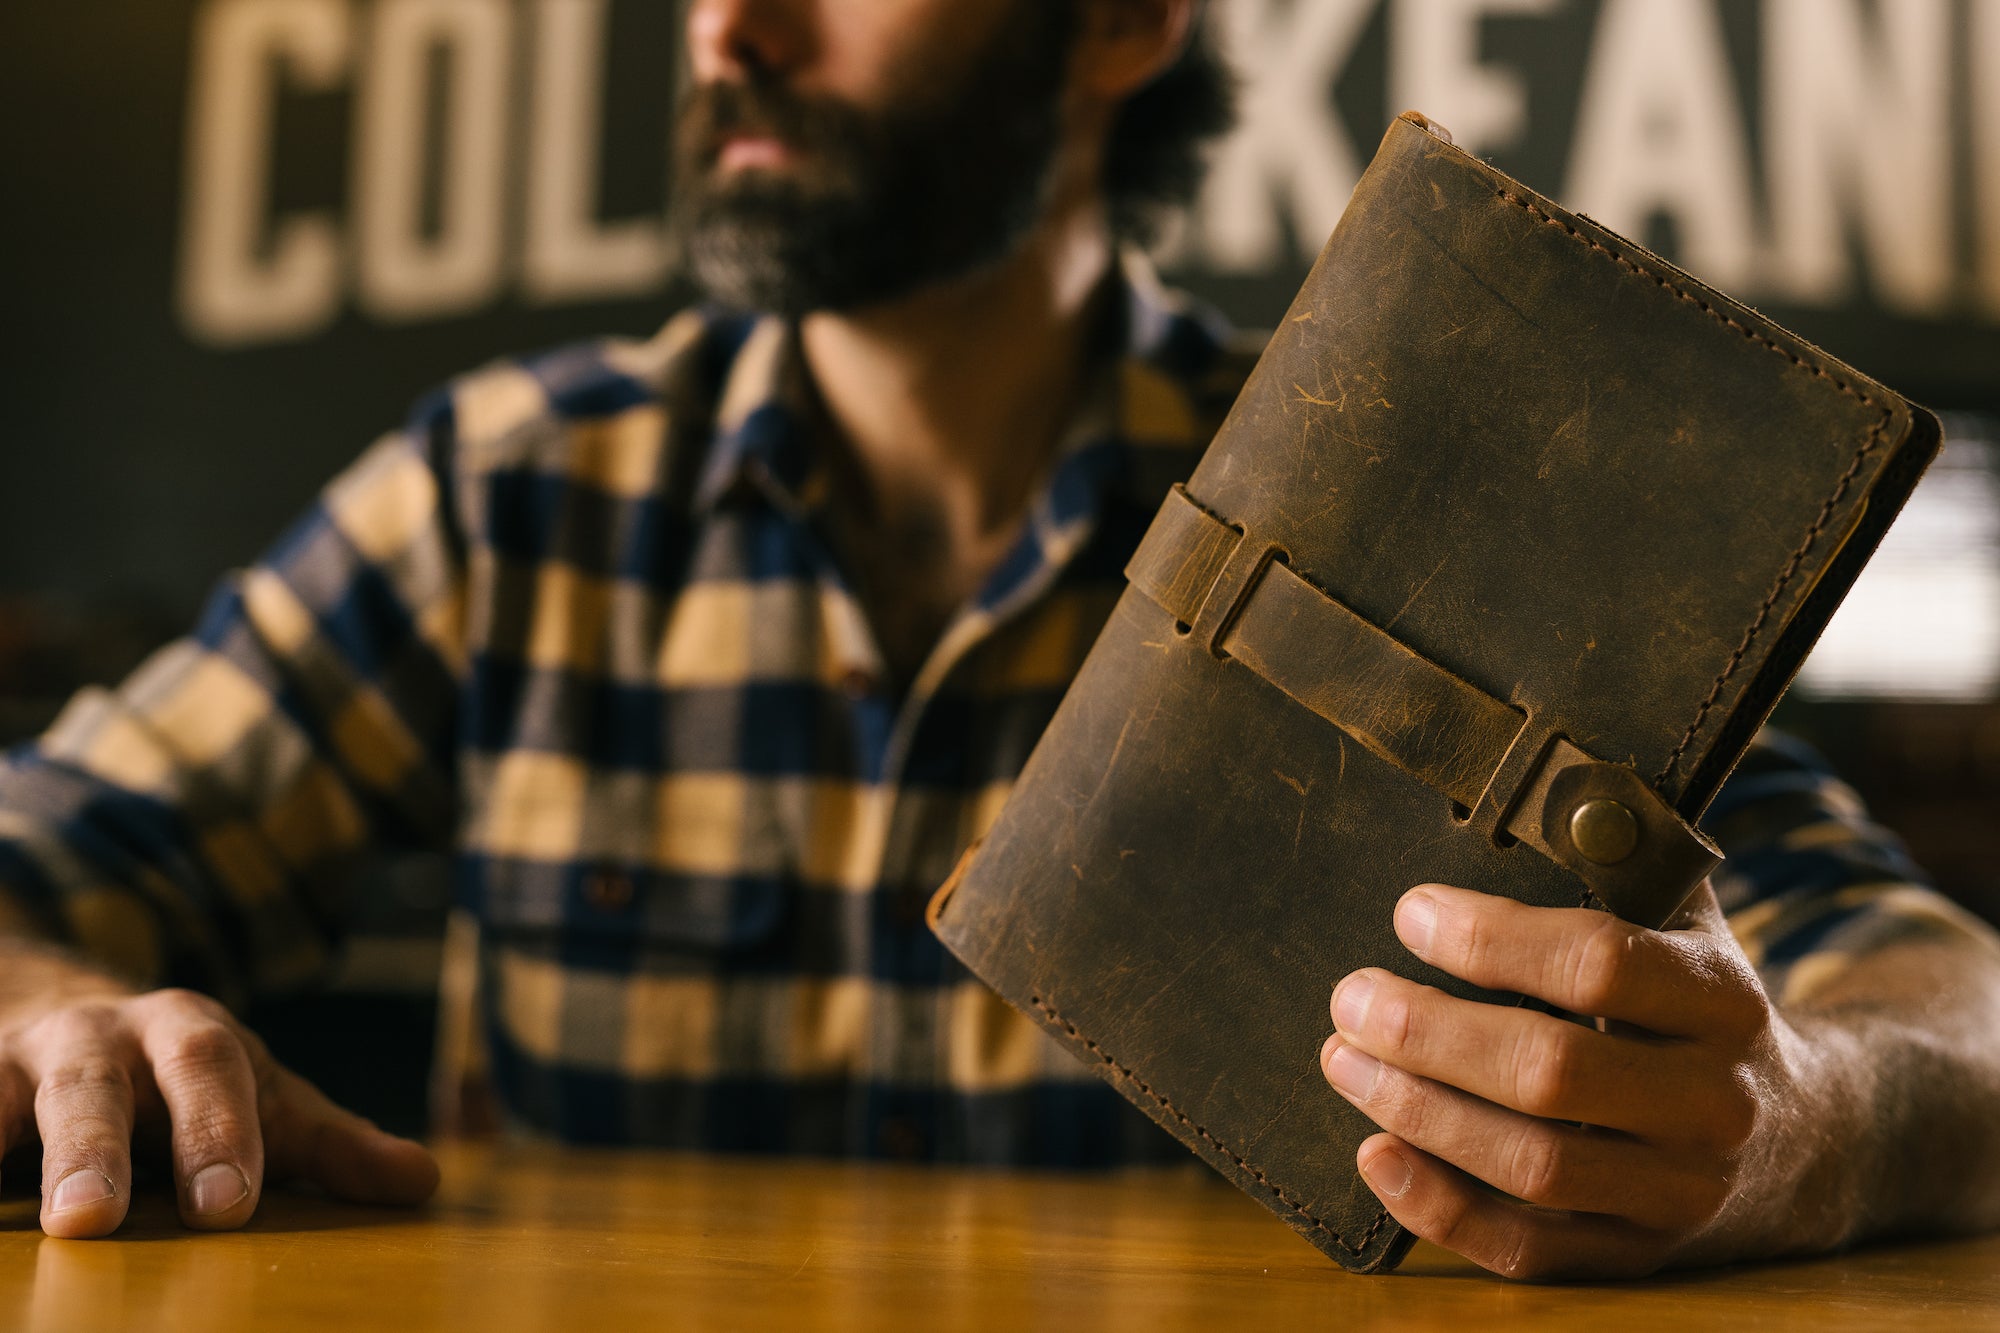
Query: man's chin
<point x="790" y="248"/>
<point x="745" y="276"/>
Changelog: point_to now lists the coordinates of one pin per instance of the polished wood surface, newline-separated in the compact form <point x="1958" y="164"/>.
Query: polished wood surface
<point x="533" y="1238"/>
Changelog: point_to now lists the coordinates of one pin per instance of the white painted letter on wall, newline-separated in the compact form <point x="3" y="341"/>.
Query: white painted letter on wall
<point x="1857" y="130"/>
<point x="1659" y="130"/>
<point x="404" y="273"/>
<point x="1434" y="68"/>
<point x="245" y="275"/>
<point x="1288" y="148"/>
<point x="1985" y="57"/>
<point x="570" y="254"/>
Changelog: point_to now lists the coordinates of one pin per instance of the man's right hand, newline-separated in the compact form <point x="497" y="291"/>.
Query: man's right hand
<point x="88" y="1065"/>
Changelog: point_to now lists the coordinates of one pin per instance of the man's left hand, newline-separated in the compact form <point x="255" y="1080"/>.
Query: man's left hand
<point x="1684" y="1132"/>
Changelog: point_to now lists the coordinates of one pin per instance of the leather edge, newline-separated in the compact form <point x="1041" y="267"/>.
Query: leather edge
<point x="1903" y="466"/>
<point x="1649" y="263"/>
<point x="1702" y="758"/>
<point x="934" y="909"/>
<point x="1387" y="1241"/>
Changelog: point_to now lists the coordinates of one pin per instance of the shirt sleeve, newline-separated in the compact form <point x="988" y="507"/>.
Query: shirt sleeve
<point x="1810" y="882"/>
<point x="192" y="826"/>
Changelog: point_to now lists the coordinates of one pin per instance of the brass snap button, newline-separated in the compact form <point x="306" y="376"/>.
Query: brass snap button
<point x="608" y="890"/>
<point x="858" y="684"/>
<point x="1604" y="831"/>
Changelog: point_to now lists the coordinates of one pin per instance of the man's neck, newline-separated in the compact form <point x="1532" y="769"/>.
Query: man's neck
<point x="946" y="406"/>
<point x="949" y="402"/>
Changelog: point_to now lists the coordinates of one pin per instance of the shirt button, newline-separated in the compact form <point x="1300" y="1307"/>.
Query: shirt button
<point x="608" y="890"/>
<point x="858" y="684"/>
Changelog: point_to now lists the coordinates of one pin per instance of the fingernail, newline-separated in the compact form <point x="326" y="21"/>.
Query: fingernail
<point x="216" y="1189"/>
<point x="1353" y="1071"/>
<point x="1416" y="921"/>
<point x="1350" y="1002"/>
<point x="80" y="1189"/>
<point x="1389" y="1172"/>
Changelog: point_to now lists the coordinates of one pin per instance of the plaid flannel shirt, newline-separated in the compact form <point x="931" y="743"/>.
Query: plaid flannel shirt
<point x="579" y="624"/>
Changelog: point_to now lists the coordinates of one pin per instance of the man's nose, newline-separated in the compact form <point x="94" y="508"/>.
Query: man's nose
<point x="736" y="39"/>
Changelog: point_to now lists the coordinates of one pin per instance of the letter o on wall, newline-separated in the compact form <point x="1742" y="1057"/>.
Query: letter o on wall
<point x="407" y="270"/>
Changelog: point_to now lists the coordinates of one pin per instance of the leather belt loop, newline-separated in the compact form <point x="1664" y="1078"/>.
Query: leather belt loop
<point x="1511" y="777"/>
<point x="1181" y="557"/>
<point x="1233" y="589"/>
<point x="1198" y="567"/>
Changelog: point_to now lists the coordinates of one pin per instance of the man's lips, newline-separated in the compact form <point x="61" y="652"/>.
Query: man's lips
<point x="751" y="151"/>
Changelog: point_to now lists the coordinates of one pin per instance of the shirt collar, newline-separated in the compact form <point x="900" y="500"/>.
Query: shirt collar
<point x="764" y="423"/>
<point x="1139" y="428"/>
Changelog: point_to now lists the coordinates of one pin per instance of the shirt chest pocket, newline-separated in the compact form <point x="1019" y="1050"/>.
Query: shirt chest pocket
<point x="695" y="860"/>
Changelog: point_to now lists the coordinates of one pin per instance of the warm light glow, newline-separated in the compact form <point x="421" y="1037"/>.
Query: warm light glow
<point x="1923" y="620"/>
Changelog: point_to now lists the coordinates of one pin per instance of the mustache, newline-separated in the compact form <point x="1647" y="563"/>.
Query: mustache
<point x="712" y="112"/>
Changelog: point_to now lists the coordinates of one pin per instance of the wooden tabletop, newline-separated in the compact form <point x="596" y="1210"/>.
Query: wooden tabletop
<point x="534" y="1238"/>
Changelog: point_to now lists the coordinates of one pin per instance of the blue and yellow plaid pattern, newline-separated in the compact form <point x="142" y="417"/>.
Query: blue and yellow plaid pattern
<point x="580" y="624"/>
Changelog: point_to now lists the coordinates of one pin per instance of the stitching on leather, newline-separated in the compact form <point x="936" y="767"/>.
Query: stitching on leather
<point x="1626" y="263"/>
<point x="1785" y="576"/>
<point x="1826" y="511"/>
<point x="1216" y="1143"/>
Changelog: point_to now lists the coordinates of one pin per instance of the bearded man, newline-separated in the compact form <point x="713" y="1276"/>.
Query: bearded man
<point x="705" y="657"/>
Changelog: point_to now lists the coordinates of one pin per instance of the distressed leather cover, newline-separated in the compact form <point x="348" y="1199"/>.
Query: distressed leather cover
<point x="1536" y="455"/>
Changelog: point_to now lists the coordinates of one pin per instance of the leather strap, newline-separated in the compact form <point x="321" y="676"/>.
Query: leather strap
<point x="1243" y="601"/>
<point x="1406" y="708"/>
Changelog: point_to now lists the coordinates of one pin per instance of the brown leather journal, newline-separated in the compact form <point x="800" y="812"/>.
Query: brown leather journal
<point x="1511" y="542"/>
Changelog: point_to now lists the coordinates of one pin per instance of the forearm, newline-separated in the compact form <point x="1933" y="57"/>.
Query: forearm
<point x="35" y="974"/>
<point x="1903" y="1045"/>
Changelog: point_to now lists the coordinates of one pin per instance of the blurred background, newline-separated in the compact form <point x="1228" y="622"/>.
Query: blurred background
<point x="239" y="236"/>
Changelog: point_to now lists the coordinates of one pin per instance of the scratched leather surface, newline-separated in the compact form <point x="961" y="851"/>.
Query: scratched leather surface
<point x="1536" y="455"/>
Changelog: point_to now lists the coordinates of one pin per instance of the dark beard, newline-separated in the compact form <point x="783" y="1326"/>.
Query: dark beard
<point x="881" y="203"/>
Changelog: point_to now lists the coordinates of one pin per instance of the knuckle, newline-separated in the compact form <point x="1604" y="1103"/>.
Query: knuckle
<point x="201" y="1048"/>
<point x="1537" y="1168"/>
<point x="1605" y="961"/>
<point x="1597" y="965"/>
<point x="85" y="1026"/>
<point x="1471" y="935"/>
<point x="1746" y="1009"/>
<point x="89" y="1075"/>
<point x="1545" y="1069"/>
<point x="217" y="1124"/>
<point x="1449" y="1221"/>
<point x="1393" y="1018"/>
<point x="1737" y="1008"/>
<point x="1401" y="1103"/>
<point x="1407" y="1015"/>
<point x="1733" y="1117"/>
<point x="178" y="1002"/>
